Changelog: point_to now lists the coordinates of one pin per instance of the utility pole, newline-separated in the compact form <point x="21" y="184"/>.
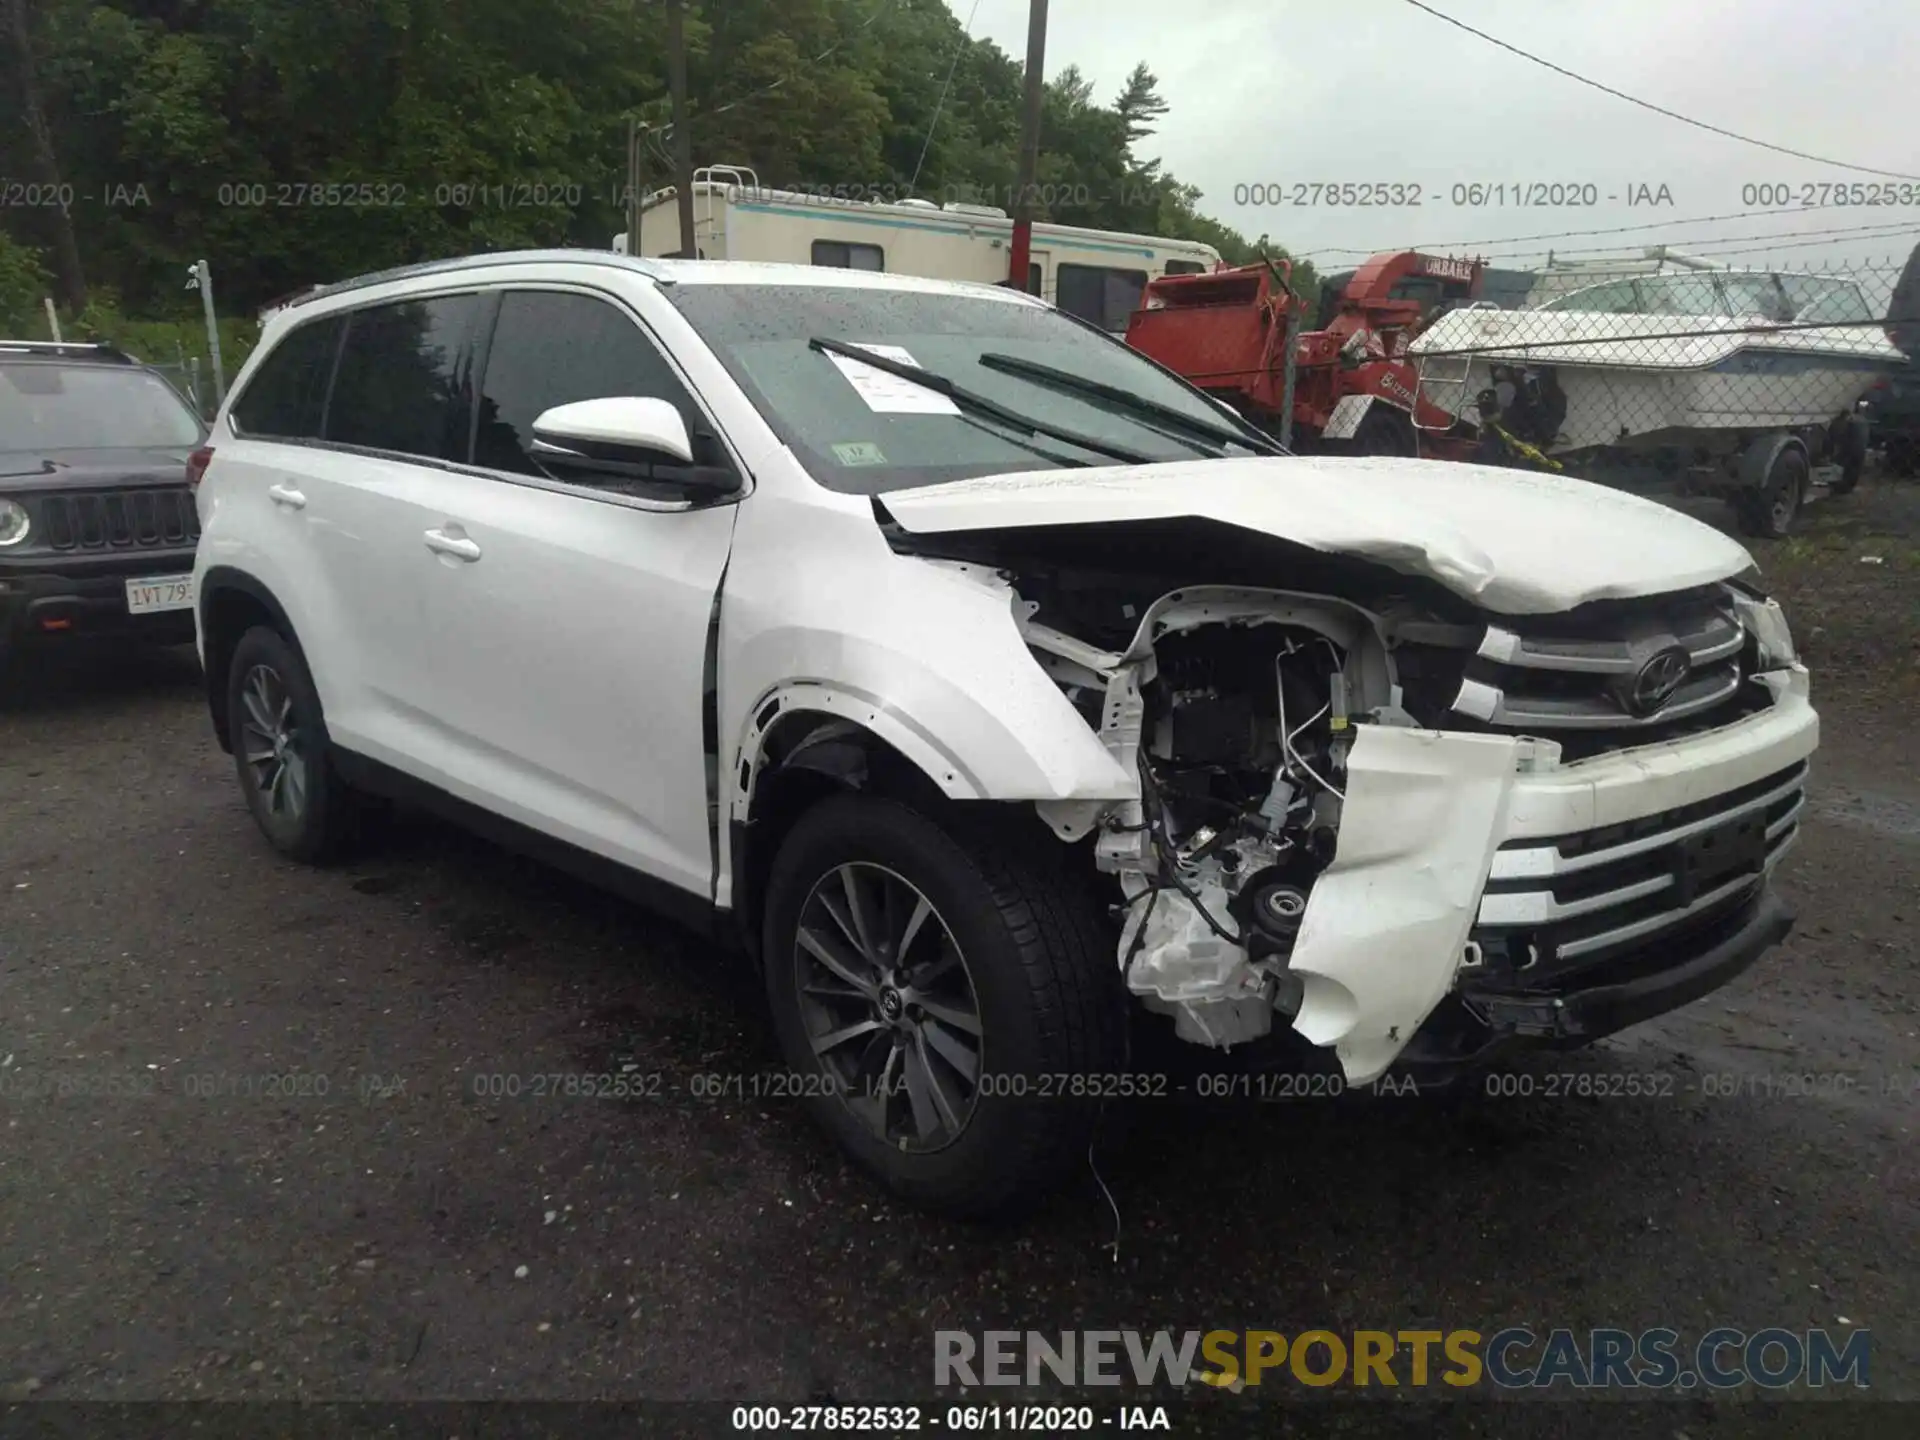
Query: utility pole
<point x="682" y="142"/>
<point x="1029" y="143"/>
<point x="633" y="190"/>
<point x="202" y="280"/>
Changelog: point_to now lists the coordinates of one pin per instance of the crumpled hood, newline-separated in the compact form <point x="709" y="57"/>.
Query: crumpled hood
<point x="1514" y="542"/>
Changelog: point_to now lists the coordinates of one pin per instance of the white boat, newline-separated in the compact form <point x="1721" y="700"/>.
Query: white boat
<point x="1695" y="360"/>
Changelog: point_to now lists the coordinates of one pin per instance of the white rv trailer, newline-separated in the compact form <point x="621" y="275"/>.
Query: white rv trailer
<point x="1095" y="274"/>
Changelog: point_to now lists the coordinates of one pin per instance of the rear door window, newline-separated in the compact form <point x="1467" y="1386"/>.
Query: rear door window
<point x="404" y="381"/>
<point x="288" y="393"/>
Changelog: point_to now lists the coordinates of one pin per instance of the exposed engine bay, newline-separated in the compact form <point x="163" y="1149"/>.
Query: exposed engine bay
<point x="1236" y="709"/>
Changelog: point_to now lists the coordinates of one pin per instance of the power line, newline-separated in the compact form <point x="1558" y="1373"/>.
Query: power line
<point x="966" y="39"/>
<point x="1576" y="234"/>
<point x="1884" y="228"/>
<point x="1801" y="245"/>
<point x="881" y="9"/>
<point x="1657" y="109"/>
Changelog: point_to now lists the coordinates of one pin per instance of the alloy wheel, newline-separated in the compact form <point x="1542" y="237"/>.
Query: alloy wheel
<point x="889" y="1006"/>
<point x="272" y="743"/>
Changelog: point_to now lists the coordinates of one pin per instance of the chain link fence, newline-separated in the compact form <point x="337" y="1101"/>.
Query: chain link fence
<point x="190" y="377"/>
<point x="1755" y="383"/>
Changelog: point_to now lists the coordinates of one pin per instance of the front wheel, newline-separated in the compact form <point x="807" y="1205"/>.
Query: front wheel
<point x="951" y="993"/>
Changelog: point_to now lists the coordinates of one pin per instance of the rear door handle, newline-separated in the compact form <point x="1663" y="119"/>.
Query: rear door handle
<point x="457" y="546"/>
<point x="287" y="497"/>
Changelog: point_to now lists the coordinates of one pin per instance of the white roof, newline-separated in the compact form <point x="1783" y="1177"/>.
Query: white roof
<point x="755" y="272"/>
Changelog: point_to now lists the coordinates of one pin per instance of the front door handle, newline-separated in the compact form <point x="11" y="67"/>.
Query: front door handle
<point x="287" y="497"/>
<point x="457" y="546"/>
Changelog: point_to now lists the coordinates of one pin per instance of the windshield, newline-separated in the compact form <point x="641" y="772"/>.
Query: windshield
<point x="864" y="432"/>
<point x="91" y="407"/>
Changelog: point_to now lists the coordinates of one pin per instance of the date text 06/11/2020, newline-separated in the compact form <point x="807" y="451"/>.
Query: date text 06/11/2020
<point x="905" y="1419"/>
<point x="1464" y="194"/>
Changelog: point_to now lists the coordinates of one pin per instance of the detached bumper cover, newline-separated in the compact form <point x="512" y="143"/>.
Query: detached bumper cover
<point x="1484" y="898"/>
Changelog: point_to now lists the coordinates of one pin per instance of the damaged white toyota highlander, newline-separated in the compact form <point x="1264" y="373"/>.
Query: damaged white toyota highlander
<point x="1002" y="696"/>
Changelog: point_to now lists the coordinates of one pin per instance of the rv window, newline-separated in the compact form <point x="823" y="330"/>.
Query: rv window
<point x="847" y="256"/>
<point x="1099" y="295"/>
<point x="1035" y="285"/>
<point x="1185" y="267"/>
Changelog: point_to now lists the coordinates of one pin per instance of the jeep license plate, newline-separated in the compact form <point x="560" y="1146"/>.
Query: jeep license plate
<point x="163" y="592"/>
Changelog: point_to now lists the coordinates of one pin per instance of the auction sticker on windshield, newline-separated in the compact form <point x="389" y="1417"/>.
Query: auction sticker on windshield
<point x="888" y="394"/>
<point x="160" y="592"/>
<point x="861" y="452"/>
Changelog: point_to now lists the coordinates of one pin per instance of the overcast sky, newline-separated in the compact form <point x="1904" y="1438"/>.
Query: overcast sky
<point x="1287" y="92"/>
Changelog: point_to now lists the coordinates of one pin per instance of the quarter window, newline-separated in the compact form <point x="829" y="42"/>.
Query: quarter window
<point x="404" y="382"/>
<point x="553" y="348"/>
<point x="287" y="395"/>
<point x="1105" y="297"/>
<point x="848" y="256"/>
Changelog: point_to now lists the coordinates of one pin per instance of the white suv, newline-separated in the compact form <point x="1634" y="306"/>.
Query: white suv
<point x="988" y="685"/>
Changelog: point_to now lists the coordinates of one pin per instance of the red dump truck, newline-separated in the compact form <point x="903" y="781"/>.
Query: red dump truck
<point x="1227" y="331"/>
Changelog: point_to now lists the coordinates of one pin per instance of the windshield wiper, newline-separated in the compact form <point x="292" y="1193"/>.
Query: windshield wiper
<point x="1129" y="403"/>
<point x="979" y="404"/>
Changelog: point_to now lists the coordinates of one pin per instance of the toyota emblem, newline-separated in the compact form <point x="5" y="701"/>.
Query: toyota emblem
<point x="1658" y="679"/>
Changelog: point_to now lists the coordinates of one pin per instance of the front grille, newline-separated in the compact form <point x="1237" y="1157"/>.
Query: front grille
<point x="1556" y="905"/>
<point x="120" y="519"/>
<point x="1583" y="678"/>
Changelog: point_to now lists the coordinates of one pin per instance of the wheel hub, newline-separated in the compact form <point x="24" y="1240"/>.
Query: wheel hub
<point x="888" y="1006"/>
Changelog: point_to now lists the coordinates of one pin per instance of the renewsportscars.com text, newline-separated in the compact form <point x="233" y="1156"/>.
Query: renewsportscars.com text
<point x="1508" y="1359"/>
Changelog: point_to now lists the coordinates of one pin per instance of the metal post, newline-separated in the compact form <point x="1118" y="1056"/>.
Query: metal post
<point x="1029" y="144"/>
<point x="53" y="317"/>
<point x="682" y="142"/>
<point x="203" y="281"/>
<point x="1292" y="364"/>
<point x="633" y="187"/>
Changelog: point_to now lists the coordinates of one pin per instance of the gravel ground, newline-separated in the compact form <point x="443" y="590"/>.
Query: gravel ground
<point x="179" y="1233"/>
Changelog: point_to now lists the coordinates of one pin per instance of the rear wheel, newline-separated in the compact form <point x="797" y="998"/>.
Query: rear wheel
<point x="1903" y="455"/>
<point x="1769" y="510"/>
<point x="951" y="994"/>
<point x="280" y="750"/>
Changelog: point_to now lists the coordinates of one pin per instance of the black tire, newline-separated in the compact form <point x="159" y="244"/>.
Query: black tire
<point x="1769" y="510"/>
<point x="1903" y="456"/>
<point x="323" y="822"/>
<point x="1037" y="959"/>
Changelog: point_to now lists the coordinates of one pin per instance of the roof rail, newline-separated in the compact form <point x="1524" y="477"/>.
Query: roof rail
<point x="469" y="262"/>
<point x="89" y="350"/>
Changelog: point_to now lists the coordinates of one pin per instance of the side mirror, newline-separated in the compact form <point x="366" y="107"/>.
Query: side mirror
<point x="625" y="441"/>
<point x="620" y="427"/>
